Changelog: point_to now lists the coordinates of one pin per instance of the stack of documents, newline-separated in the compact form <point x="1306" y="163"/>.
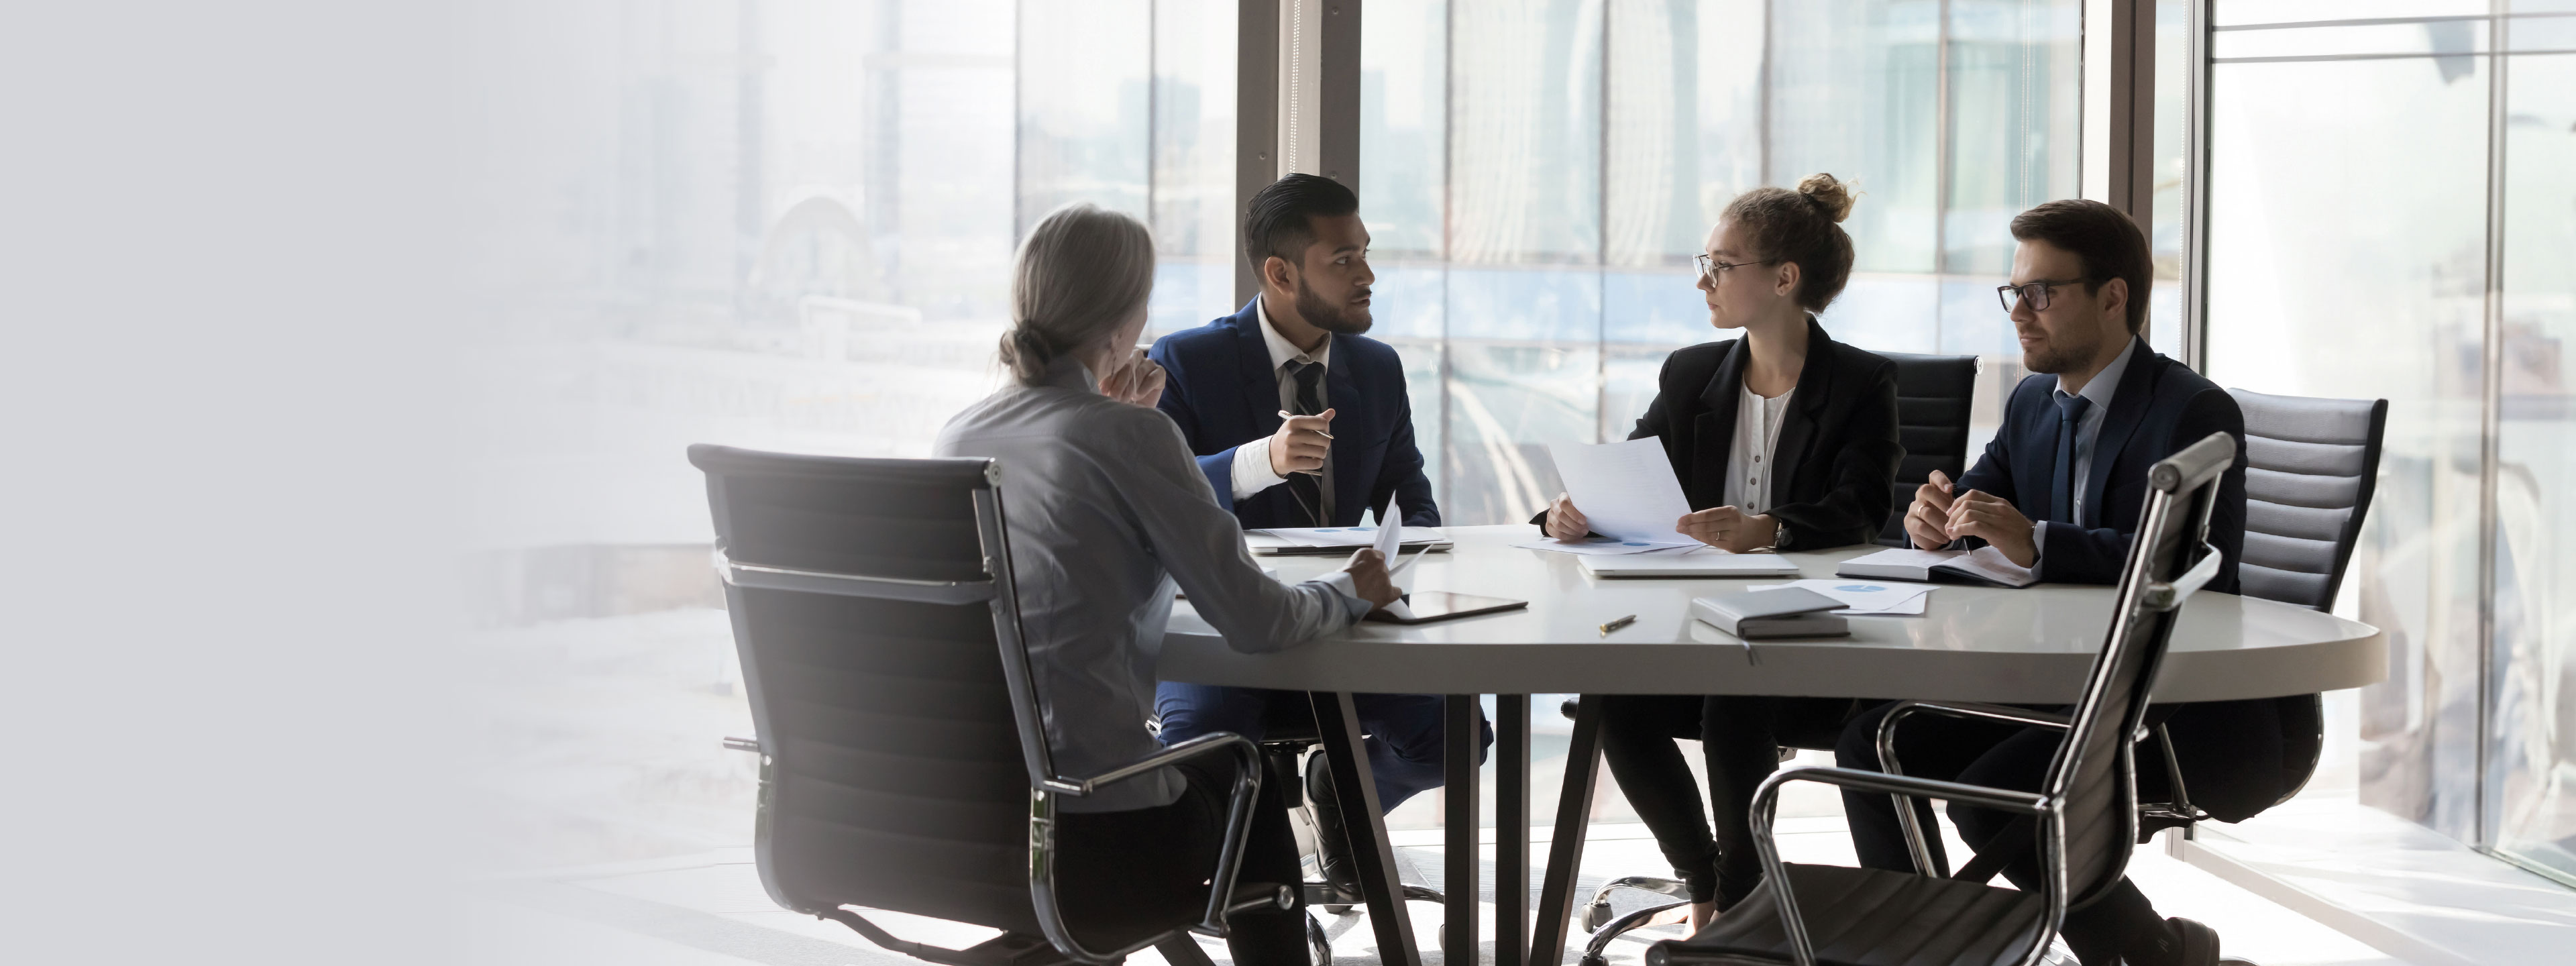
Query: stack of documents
<point x="1867" y="599"/>
<point x="1609" y="546"/>
<point x="1703" y="562"/>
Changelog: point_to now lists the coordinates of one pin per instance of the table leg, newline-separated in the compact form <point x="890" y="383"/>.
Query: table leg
<point x="1337" y="721"/>
<point x="1511" y="829"/>
<point x="1565" y="851"/>
<point x="1462" y="875"/>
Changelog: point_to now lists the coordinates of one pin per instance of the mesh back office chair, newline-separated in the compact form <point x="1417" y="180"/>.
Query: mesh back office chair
<point x="903" y="763"/>
<point x="2085" y="813"/>
<point x="1933" y="394"/>
<point x="2311" y="468"/>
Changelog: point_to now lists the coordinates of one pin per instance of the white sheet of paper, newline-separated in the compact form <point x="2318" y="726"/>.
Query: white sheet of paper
<point x="1389" y="541"/>
<point x="1867" y="597"/>
<point x="1625" y="489"/>
<point x="1602" y="546"/>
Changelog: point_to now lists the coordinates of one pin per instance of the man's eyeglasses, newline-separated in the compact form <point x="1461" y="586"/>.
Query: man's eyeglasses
<point x="1710" y="266"/>
<point x="2035" y="293"/>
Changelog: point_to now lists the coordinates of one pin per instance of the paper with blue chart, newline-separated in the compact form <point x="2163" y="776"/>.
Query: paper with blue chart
<point x="1626" y="491"/>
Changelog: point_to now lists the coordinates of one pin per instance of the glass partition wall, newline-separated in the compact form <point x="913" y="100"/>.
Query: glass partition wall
<point x="2392" y="213"/>
<point x="1539" y="174"/>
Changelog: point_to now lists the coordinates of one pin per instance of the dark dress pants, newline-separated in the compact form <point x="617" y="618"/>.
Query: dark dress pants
<point x="1741" y="737"/>
<point x="1406" y="737"/>
<point x="1122" y="876"/>
<point x="2231" y="766"/>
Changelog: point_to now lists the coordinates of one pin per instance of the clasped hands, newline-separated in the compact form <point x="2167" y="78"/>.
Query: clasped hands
<point x="1726" y="528"/>
<point x="1941" y="514"/>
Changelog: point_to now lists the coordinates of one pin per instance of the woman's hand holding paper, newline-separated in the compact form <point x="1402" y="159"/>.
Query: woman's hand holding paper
<point x="1564" y="522"/>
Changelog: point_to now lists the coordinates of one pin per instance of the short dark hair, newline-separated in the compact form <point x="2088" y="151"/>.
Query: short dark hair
<point x="2104" y="240"/>
<point x="1280" y="219"/>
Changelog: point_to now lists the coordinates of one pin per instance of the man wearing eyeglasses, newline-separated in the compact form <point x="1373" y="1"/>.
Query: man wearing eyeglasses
<point x="2060" y="487"/>
<point x="2060" y="490"/>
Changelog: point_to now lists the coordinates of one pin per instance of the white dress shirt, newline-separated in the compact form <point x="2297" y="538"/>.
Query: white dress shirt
<point x="1252" y="460"/>
<point x="1749" y="462"/>
<point x="1106" y="510"/>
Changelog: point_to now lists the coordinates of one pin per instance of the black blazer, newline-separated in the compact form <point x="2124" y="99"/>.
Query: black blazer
<point x="1838" y="446"/>
<point x="2160" y="407"/>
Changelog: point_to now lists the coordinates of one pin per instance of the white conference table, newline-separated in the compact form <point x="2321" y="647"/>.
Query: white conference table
<point x="2028" y="646"/>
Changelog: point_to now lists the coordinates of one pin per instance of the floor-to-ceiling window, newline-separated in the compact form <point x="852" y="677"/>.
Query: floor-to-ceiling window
<point x="1538" y="176"/>
<point x="2392" y="213"/>
<point x="783" y="224"/>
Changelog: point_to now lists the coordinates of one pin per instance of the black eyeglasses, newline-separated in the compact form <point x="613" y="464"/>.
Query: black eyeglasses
<point x="1710" y="267"/>
<point x="2035" y="293"/>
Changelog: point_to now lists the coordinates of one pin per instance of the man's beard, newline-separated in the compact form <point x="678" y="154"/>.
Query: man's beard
<point x="1326" y="316"/>
<point x="2055" y="358"/>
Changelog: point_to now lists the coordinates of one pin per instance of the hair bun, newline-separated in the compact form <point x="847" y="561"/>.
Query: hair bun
<point x="1832" y="196"/>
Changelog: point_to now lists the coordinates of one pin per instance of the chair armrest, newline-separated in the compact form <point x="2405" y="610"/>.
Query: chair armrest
<point x="2030" y="803"/>
<point x="1915" y="840"/>
<point x="1775" y="875"/>
<point x="1238" y="819"/>
<point x="1209" y="743"/>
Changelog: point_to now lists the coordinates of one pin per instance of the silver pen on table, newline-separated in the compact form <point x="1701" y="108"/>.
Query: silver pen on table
<point x="1617" y="624"/>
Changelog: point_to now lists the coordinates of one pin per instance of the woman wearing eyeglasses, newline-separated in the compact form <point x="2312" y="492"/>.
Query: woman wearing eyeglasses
<point x="1782" y="438"/>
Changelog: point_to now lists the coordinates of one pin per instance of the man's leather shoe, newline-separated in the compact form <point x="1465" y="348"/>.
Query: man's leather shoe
<point x="2199" y="942"/>
<point x="1332" y="836"/>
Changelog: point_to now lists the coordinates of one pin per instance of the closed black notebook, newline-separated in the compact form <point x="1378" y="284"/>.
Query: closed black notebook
<point x="1778" y="612"/>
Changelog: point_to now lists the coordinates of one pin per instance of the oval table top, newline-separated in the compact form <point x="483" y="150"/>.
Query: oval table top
<point x="2027" y="646"/>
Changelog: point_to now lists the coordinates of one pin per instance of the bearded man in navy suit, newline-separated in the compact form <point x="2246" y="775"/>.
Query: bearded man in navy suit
<point x="1299" y="420"/>
<point x="2060" y="491"/>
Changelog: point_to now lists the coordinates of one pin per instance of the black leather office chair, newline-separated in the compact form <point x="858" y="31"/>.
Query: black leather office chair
<point x="2083" y="817"/>
<point x="2312" y="466"/>
<point x="903" y="762"/>
<point x="1933" y="396"/>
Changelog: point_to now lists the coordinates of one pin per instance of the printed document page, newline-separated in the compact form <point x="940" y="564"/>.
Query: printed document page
<point x="1625" y="489"/>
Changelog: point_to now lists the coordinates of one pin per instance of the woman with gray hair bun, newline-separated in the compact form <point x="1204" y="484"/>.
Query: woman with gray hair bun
<point x="1107" y="512"/>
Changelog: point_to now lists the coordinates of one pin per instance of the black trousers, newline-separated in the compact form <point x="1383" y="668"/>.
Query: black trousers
<point x="2228" y="757"/>
<point x="1741" y="737"/>
<point x="1123" y="876"/>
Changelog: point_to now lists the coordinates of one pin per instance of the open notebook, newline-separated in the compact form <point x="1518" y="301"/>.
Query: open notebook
<point x="1984" y="566"/>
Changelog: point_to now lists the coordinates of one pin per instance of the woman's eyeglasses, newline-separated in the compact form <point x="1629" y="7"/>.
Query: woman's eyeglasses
<point x="1709" y="267"/>
<point x="2035" y="293"/>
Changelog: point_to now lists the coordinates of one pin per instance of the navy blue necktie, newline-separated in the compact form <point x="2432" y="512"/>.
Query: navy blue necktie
<point x="1308" y="489"/>
<point x="2062" y="481"/>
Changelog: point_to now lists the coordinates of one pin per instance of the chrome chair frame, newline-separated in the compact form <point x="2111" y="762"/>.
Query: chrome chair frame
<point x="1046" y="784"/>
<point x="2138" y="592"/>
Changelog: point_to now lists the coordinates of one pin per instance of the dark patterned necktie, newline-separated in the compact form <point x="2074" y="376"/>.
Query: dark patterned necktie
<point x="1308" y="488"/>
<point x="2062" y="481"/>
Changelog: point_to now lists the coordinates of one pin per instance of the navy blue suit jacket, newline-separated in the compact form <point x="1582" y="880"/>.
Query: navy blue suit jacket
<point x="2160" y="407"/>
<point x="1220" y="387"/>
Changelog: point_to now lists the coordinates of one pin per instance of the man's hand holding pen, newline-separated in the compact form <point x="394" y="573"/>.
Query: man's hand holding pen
<point x="1301" y="444"/>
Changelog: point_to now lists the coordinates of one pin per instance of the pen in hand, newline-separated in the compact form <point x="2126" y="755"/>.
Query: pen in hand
<point x="1284" y="414"/>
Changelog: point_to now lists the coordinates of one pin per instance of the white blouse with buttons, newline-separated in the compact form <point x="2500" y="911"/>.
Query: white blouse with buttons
<point x="1749" y="462"/>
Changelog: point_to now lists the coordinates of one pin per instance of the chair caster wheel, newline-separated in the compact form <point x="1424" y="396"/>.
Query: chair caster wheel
<point x="1337" y="910"/>
<point x="1594" y="916"/>
<point x="1590" y="960"/>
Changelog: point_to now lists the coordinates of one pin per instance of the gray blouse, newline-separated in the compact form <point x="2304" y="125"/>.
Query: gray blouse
<point x="1107" y="510"/>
